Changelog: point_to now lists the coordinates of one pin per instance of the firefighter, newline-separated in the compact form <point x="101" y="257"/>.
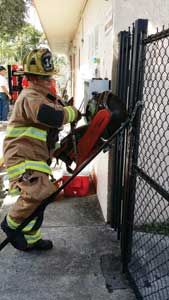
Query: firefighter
<point x="30" y="140"/>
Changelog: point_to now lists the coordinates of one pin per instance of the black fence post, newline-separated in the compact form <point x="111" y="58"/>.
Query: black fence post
<point x="122" y="90"/>
<point x="135" y="94"/>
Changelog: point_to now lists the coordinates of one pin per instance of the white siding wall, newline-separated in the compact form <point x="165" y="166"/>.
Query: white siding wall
<point x="93" y="22"/>
<point x="125" y="12"/>
<point x="95" y="17"/>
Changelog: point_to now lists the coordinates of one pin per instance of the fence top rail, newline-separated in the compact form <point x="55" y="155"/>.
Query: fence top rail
<point x="157" y="36"/>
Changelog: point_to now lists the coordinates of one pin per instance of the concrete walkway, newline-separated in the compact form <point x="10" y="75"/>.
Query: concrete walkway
<point x="83" y="265"/>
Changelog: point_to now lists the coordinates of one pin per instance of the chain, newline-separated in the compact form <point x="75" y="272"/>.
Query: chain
<point x="138" y="104"/>
<point x="129" y="125"/>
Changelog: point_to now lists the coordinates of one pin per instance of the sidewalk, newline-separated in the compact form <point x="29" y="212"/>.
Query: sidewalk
<point x="83" y="265"/>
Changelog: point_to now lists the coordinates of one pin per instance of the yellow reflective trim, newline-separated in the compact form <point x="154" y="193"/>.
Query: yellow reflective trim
<point x="11" y="223"/>
<point x="28" y="164"/>
<point x="32" y="132"/>
<point x="18" y="166"/>
<point x="16" y="170"/>
<point x="67" y="110"/>
<point x="38" y="165"/>
<point x="29" y="227"/>
<point x="33" y="238"/>
<point x="14" y="192"/>
<point x="71" y="113"/>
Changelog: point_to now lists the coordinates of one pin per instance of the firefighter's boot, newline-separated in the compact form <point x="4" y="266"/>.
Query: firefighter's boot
<point x="25" y="240"/>
<point x="19" y="242"/>
<point x="40" y="245"/>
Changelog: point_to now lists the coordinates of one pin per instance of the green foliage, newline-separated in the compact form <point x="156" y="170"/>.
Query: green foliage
<point x="17" y="37"/>
<point x="12" y="16"/>
<point x="13" y="49"/>
<point x="156" y="228"/>
<point x="62" y="66"/>
<point x="27" y="40"/>
<point x="60" y="60"/>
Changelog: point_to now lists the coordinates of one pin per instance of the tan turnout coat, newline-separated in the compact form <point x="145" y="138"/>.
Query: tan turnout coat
<point x="26" y="150"/>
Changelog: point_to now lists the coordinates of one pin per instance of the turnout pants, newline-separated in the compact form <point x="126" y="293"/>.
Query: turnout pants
<point x="34" y="187"/>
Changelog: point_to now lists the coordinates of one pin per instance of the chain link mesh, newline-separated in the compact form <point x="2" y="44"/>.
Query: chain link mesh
<point x="149" y="264"/>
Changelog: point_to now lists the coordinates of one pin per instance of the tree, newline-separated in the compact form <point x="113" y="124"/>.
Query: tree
<point x="29" y="39"/>
<point x="62" y="66"/>
<point x="13" y="50"/>
<point x="12" y="16"/>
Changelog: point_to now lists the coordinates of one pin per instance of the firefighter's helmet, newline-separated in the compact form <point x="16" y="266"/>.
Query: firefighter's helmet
<point x="39" y="62"/>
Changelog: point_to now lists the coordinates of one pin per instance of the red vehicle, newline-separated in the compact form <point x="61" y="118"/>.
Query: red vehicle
<point x="15" y="76"/>
<point x="17" y="81"/>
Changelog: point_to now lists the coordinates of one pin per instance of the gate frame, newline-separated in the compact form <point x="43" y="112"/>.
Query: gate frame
<point x="129" y="88"/>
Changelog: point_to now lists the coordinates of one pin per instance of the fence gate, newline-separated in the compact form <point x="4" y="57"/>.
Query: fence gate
<point x="142" y="163"/>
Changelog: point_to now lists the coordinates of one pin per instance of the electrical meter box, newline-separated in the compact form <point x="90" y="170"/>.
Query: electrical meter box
<point x="94" y="85"/>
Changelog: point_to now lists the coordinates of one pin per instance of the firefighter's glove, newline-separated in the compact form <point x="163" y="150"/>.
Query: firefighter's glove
<point x="72" y="115"/>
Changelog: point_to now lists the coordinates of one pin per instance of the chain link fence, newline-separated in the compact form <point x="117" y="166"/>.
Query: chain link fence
<point x="143" y="216"/>
<point x="149" y="264"/>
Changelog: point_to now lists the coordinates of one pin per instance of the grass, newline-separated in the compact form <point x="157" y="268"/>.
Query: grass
<point x="156" y="228"/>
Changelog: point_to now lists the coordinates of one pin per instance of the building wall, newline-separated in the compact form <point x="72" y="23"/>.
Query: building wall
<point x="92" y="40"/>
<point x="125" y="12"/>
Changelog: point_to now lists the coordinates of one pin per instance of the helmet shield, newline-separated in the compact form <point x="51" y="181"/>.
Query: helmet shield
<point x="47" y="61"/>
<point x="39" y="62"/>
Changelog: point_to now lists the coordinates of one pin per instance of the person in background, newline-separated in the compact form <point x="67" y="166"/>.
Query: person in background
<point x="4" y="95"/>
<point x="2" y="194"/>
<point x="29" y="146"/>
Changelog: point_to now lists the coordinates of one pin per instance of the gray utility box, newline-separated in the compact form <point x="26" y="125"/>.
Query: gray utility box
<point x="94" y="85"/>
